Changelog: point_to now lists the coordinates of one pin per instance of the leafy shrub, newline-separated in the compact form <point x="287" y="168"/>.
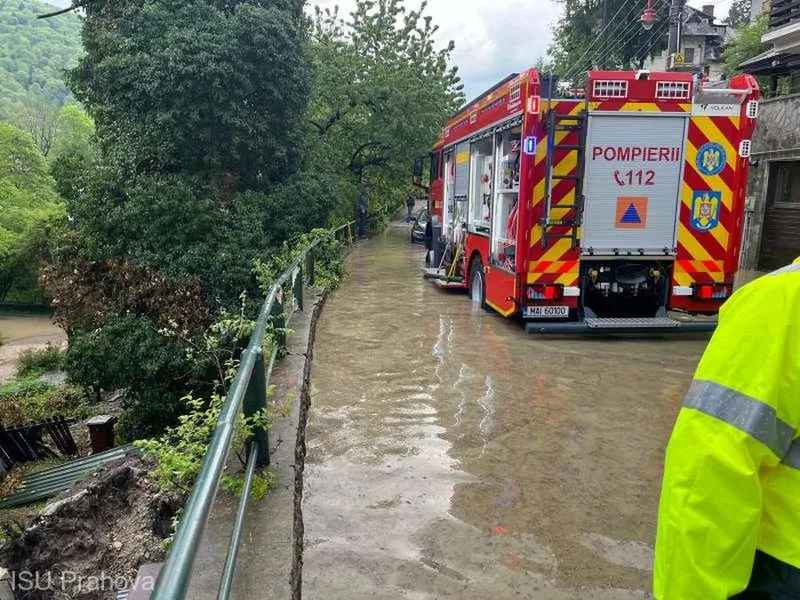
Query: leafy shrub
<point x="34" y="362"/>
<point x="328" y="265"/>
<point x="179" y="453"/>
<point x="130" y="354"/>
<point x="28" y="400"/>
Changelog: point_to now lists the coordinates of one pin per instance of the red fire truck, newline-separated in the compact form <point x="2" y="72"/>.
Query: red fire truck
<point x="595" y="213"/>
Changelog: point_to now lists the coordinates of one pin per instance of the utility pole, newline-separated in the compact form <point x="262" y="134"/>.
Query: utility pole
<point x="605" y="45"/>
<point x="675" y="16"/>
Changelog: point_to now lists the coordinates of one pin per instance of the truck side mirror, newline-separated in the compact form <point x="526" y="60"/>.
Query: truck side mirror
<point x="419" y="167"/>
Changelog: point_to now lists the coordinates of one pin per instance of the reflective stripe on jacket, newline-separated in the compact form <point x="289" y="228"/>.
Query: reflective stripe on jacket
<point x="732" y="471"/>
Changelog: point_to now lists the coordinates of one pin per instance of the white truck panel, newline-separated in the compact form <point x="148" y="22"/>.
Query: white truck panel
<point x="634" y="169"/>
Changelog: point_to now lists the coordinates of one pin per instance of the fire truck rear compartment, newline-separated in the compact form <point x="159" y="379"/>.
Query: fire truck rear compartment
<point x="625" y="288"/>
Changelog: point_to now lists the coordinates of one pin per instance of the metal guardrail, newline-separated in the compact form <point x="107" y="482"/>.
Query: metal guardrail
<point x="248" y="392"/>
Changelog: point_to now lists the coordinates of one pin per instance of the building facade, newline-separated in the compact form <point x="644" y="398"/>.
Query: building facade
<point x="700" y="47"/>
<point x="772" y="238"/>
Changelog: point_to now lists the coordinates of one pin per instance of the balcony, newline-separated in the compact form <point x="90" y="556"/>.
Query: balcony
<point x="784" y="26"/>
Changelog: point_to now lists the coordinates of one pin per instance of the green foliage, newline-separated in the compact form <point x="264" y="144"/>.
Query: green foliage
<point x="581" y="40"/>
<point x="74" y="132"/>
<point x="39" y="118"/>
<point x="73" y="154"/>
<point x="34" y="54"/>
<point x="34" y="362"/>
<point x="130" y="354"/>
<point x="328" y="266"/>
<point x="382" y="91"/>
<point x="746" y="45"/>
<point x="27" y="400"/>
<point x="213" y="89"/>
<point x="27" y="202"/>
<point x="179" y="453"/>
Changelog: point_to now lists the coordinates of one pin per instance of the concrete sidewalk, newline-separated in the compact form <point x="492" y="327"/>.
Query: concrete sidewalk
<point x="273" y="528"/>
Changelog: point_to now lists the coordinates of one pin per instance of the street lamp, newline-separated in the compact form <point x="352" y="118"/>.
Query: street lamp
<point x="649" y="17"/>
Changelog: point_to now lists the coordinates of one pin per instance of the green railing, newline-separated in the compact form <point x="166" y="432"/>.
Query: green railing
<point x="248" y="392"/>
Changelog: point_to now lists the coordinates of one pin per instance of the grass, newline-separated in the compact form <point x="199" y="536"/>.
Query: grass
<point x="35" y="362"/>
<point x="28" y="400"/>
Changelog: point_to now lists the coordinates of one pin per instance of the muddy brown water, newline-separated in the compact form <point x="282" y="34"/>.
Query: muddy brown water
<point x="21" y="331"/>
<point x="450" y="455"/>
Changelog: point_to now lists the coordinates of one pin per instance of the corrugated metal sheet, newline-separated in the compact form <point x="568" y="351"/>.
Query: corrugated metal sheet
<point x="46" y="484"/>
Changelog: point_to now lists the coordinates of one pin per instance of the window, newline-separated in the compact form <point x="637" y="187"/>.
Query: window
<point x="784" y="182"/>
<point x="688" y="55"/>
<point x="436" y="165"/>
<point x="515" y="93"/>
<point x="610" y="89"/>
<point x="672" y="90"/>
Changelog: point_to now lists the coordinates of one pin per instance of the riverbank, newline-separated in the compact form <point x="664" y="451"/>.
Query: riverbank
<point x="22" y="331"/>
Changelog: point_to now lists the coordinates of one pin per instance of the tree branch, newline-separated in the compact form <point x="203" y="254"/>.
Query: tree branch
<point x="63" y="10"/>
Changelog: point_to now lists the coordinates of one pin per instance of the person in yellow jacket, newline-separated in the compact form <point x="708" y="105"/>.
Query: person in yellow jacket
<point x="729" y="516"/>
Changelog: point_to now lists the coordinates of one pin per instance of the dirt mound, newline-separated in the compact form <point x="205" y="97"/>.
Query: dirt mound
<point x="89" y="543"/>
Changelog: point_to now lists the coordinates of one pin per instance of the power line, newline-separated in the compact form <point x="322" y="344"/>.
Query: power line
<point x="623" y="31"/>
<point x="599" y="37"/>
<point x="631" y="32"/>
<point x="621" y="43"/>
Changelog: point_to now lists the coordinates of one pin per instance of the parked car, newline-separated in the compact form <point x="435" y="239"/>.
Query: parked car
<point x="418" y="228"/>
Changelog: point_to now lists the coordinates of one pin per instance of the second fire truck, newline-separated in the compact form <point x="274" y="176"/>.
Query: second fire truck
<point x="597" y="213"/>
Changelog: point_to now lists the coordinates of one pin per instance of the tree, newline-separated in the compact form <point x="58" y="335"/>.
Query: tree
<point x="213" y="89"/>
<point x="27" y="201"/>
<point x="74" y="133"/>
<point x="746" y="45"/>
<point x="34" y="54"/>
<point x="72" y="157"/>
<point x="582" y="41"/>
<point x="739" y="13"/>
<point x="382" y="91"/>
<point x="200" y="114"/>
<point x="38" y="117"/>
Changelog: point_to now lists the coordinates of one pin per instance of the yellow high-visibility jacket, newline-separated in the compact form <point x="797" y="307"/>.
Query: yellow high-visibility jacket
<point x="732" y="472"/>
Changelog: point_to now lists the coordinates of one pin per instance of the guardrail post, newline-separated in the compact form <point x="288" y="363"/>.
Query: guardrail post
<point x="310" y="266"/>
<point x="255" y="400"/>
<point x="299" y="287"/>
<point x="279" y="325"/>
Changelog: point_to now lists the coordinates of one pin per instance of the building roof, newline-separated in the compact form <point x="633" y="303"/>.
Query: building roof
<point x="771" y="62"/>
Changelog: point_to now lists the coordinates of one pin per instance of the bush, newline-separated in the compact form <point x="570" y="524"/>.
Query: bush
<point x="34" y="362"/>
<point x="130" y="354"/>
<point x="28" y="400"/>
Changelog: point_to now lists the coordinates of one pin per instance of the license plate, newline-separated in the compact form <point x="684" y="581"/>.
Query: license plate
<point x="546" y="312"/>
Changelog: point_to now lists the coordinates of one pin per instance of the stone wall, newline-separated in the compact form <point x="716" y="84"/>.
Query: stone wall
<point x="777" y="137"/>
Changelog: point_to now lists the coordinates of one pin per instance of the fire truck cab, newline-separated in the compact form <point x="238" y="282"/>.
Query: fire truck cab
<point x="595" y="213"/>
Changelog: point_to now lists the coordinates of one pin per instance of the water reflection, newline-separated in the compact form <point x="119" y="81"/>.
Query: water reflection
<point x="453" y="456"/>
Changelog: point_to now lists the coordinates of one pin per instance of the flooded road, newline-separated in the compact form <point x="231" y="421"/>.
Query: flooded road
<point x="450" y="455"/>
<point x="20" y="331"/>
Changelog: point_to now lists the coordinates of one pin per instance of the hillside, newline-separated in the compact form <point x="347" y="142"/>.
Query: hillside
<point x="34" y="53"/>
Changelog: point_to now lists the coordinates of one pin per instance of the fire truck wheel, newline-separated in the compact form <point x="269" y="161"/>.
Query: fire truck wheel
<point x="477" y="283"/>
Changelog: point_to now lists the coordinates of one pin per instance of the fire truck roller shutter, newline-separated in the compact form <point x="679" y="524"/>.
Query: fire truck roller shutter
<point x="633" y="179"/>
